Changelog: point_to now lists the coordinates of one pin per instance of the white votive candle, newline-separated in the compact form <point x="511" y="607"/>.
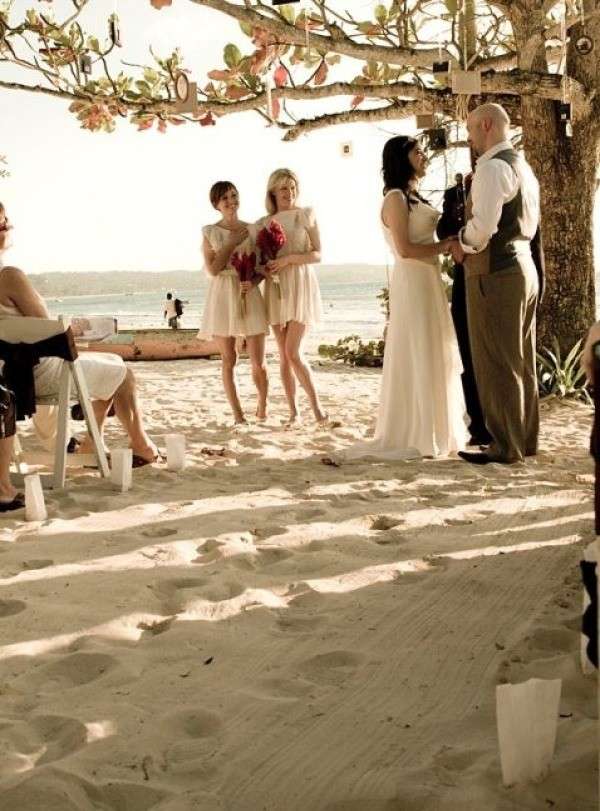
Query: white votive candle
<point x="120" y="468"/>
<point x="175" y="451"/>
<point x="35" y="507"/>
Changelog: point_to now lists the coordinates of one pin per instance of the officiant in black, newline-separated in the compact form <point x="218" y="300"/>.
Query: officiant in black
<point x="450" y="223"/>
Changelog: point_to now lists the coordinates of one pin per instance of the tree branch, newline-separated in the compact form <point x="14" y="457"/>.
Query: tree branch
<point x="286" y="33"/>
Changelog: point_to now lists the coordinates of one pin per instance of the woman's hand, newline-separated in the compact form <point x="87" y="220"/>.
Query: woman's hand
<point x="449" y="245"/>
<point x="280" y="263"/>
<point x="238" y="236"/>
<point x="246" y="287"/>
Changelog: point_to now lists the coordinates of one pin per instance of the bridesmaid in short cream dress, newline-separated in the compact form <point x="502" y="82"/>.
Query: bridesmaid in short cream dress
<point x="292" y="294"/>
<point x="223" y="319"/>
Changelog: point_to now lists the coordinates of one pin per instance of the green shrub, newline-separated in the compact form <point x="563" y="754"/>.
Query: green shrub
<point x="353" y="351"/>
<point x="562" y="378"/>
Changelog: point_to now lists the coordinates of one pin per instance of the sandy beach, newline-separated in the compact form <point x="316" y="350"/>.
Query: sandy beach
<point x="267" y="632"/>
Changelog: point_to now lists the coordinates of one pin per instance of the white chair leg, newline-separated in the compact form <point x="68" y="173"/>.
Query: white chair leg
<point x="18" y="458"/>
<point x="60" y="451"/>
<point x="90" y="418"/>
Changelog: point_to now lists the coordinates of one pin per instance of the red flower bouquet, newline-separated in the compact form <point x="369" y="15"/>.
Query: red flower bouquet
<point x="245" y="266"/>
<point x="270" y="240"/>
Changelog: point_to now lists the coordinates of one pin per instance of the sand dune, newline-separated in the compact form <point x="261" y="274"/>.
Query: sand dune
<point x="265" y="632"/>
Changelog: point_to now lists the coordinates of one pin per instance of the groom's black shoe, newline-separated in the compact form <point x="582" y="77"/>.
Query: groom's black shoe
<point x="484" y="459"/>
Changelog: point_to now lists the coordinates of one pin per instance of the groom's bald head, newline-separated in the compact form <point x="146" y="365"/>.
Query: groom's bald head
<point x="487" y="125"/>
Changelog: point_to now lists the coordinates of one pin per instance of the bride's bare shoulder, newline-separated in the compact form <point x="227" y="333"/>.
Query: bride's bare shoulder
<point x="394" y="206"/>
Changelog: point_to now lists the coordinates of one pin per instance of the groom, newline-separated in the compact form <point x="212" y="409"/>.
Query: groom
<point x="503" y="285"/>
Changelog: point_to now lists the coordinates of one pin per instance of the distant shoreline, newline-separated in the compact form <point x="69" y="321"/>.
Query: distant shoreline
<point x="106" y="283"/>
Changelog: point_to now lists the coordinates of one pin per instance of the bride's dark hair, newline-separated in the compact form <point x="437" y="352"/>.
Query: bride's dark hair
<point x="397" y="170"/>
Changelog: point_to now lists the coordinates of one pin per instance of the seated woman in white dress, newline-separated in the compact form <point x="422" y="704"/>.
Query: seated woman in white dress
<point x="108" y="380"/>
<point x="421" y="406"/>
<point x="225" y="319"/>
<point x="292" y="294"/>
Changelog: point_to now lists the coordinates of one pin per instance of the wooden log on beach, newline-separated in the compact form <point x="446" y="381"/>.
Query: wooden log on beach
<point x="154" y="344"/>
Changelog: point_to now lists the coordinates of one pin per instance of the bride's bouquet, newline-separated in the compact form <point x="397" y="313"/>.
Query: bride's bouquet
<point x="245" y="266"/>
<point x="270" y="240"/>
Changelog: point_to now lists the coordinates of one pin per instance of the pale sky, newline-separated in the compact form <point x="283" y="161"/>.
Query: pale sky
<point x="131" y="200"/>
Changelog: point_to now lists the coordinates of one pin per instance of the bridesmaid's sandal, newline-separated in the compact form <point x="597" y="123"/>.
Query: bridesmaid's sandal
<point x="292" y="424"/>
<point x="328" y="424"/>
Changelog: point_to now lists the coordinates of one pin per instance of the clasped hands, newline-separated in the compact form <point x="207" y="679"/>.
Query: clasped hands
<point x="452" y="247"/>
<point x="277" y="264"/>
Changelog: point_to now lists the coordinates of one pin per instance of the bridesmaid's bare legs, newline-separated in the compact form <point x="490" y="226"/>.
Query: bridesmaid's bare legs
<point x="295" y="332"/>
<point x="285" y="369"/>
<point x="228" y="360"/>
<point x="256" y="352"/>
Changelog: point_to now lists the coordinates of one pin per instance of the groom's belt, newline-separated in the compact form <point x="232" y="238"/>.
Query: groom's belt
<point x="484" y="264"/>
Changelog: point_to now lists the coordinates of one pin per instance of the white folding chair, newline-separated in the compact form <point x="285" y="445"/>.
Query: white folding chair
<point x="32" y="331"/>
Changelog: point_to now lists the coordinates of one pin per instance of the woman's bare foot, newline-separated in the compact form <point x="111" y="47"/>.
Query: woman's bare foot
<point x="86" y="446"/>
<point x="293" y="421"/>
<point x="261" y="412"/>
<point x="326" y="423"/>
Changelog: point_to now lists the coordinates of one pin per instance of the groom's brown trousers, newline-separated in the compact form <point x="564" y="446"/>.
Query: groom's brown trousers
<point x="501" y="316"/>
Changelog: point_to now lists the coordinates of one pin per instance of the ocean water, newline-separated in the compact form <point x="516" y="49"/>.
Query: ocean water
<point x="349" y="308"/>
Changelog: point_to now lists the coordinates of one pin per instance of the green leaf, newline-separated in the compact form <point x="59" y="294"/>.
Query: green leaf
<point x="151" y="76"/>
<point x="93" y="44"/>
<point x="246" y="29"/>
<point x="287" y="12"/>
<point x="232" y="55"/>
<point x="452" y="6"/>
<point x="381" y="14"/>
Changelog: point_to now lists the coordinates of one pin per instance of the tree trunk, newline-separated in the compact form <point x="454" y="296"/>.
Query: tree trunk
<point x="566" y="170"/>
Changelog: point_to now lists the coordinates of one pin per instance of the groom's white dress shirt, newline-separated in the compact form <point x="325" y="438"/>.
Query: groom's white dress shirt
<point x="494" y="184"/>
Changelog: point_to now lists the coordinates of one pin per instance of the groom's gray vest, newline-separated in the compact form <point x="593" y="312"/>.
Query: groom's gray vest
<point x="509" y="249"/>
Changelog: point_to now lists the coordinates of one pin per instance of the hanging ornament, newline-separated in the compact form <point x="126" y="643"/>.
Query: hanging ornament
<point x="436" y="139"/>
<point x="441" y="67"/>
<point x="269" y="93"/>
<point x="424" y="120"/>
<point x="584" y="44"/>
<point x="114" y="30"/>
<point x="186" y="94"/>
<point x="564" y="108"/>
<point x="466" y="82"/>
<point x="85" y="64"/>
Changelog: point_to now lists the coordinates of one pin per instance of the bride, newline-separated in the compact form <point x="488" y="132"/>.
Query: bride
<point x="421" y="408"/>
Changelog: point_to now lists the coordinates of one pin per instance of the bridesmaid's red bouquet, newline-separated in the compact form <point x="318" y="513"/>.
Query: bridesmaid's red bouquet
<point x="245" y="266"/>
<point x="270" y="240"/>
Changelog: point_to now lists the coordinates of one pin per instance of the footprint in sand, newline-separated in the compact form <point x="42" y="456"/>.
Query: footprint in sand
<point x="293" y="623"/>
<point x="287" y="689"/>
<point x="8" y="608"/>
<point x="458" y="760"/>
<point x="43" y="739"/>
<point x="551" y="641"/>
<point x="175" y="593"/>
<point x="42" y="563"/>
<point x="73" y="670"/>
<point x="384" y="522"/>
<point x="190" y="737"/>
<point x="158" y="532"/>
<point x="53" y="789"/>
<point x="332" y="668"/>
<point x="273" y="555"/>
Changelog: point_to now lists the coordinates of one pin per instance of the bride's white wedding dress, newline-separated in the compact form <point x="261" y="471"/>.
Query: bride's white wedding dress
<point x="421" y="408"/>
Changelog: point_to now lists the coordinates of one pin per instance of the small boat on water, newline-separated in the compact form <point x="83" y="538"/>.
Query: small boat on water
<point x="153" y="344"/>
